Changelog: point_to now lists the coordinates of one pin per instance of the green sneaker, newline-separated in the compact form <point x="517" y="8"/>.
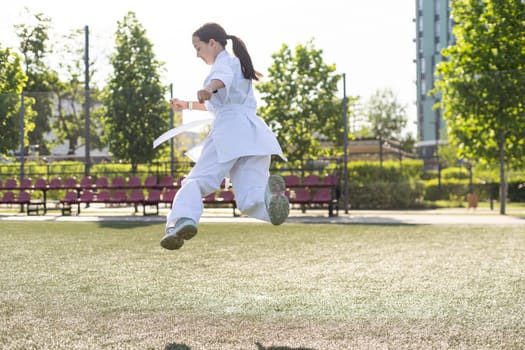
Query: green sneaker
<point x="184" y="229"/>
<point x="276" y="201"/>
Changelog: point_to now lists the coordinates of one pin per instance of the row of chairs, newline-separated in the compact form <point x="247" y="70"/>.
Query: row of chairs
<point x="120" y="182"/>
<point x="311" y="191"/>
<point x="153" y="198"/>
<point x="10" y="197"/>
<point x="311" y="180"/>
<point x="102" y="182"/>
<point x="307" y="198"/>
<point x="23" y="199"/>
<point x="136" y="197"/>
<point x="302" y="196"/>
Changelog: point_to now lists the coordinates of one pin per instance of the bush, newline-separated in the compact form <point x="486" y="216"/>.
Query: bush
<point x="454" y="173"/>
<point x="451" y="189"/>
<point x="516" y="191"/>
<point x="392" y="171"/>
<point x="429" y="175"/>
<point x="386" y="195"/>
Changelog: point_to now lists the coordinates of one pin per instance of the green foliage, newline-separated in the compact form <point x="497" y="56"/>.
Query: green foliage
<point x="301" y="105"/>
<point x="386" y="115"/>
<point x="482" y="83"/>
<point x="447" y="152"/>
<point x="386" y="195"/>
<point x="111" y="170"/>
<point x="455" y="173"/>
<point x="69" y="121"/>
<point x="34" y="39"/>
<point x="450" y="189"/>
<point x="400" y="187"/>
<point x="363" y="172"/>
<point x="429" y="174"/>
<point x="517" y="191"/>
<point x="12" y="79"/>
<point x="136" y="108"/>
<point x="66" y="169"/>
<point x="408" y="143"/>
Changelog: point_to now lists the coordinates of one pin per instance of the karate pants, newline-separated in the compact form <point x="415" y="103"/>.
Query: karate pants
<point x="248" y="174"/>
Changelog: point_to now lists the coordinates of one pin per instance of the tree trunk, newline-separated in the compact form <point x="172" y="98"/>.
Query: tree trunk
<point x="72" y="146"/>
<point x="502" y="177"/>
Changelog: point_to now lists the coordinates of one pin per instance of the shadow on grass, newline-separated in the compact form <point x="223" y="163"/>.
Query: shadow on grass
<point x="353" y="220"/>
<point x="116" y="224"/>
<point x="175" y="346"/>
<point x="261" y="347"/>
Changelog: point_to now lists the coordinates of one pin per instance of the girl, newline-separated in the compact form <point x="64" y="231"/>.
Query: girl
<point x="239" y="144"/>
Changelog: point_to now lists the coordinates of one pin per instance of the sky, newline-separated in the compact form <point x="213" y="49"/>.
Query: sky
<point x="371" y="41"/>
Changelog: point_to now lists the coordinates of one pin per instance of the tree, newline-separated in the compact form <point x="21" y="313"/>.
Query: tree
<point x="387" y="118"/>
<point x="68" y="124"/>
<point x="136" y="109"/>
<point x="12" y="80"/>
<point x="300" y="103"/>
<point x="482" y="84"/>
<point x="42" y="81"/>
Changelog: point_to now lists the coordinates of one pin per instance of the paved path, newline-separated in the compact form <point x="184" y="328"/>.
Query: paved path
<point x="425" y="217"/>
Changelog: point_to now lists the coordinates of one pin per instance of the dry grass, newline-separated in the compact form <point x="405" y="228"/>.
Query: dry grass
<point x="255" y="286"/>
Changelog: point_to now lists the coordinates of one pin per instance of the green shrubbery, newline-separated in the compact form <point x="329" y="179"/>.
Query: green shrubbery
<point x="395" y="184"/>
<point x="68" y="169"/>
<point x="386" y="195"/>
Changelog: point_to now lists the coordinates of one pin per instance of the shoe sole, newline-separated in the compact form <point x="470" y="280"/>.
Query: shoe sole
<point x="171" y="242"/>
<point x="176" y="241"/>
<point x="278" y="209"/>
<point x="187" y="232"/>
<point x="279" y="206"/>
<point x="276" y="184"/>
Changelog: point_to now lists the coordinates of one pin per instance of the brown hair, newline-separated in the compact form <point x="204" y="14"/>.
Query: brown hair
<point x="217" y="33"/>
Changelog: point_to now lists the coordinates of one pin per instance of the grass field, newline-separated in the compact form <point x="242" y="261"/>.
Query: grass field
<point x="109" y="285"/>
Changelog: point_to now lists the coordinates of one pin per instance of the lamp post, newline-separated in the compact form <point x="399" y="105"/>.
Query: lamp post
<point x="172" y="164"/>
<point x="87" y="121"/>
<point x="22" y="127"/>
<point x="345" y="146"/>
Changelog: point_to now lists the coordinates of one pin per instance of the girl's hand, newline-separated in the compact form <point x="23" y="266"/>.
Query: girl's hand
<point x="204" y="95"/>
<point x="178" y="104"/>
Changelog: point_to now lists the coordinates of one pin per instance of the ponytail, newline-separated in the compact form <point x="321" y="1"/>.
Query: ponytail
<point x="240" y="50"/>
<point x="217" y="33"/>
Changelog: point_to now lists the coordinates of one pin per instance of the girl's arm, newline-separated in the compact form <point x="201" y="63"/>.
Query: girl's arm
<point x="206" y="93"/>
<point x="203" y="95"/>
<point x="179" y="105"/>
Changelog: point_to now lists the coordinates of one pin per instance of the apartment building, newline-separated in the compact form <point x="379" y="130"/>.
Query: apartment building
<point x="433" y="33"/>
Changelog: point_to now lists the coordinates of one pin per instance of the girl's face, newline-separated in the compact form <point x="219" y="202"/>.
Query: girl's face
<point x="206" y="51"/>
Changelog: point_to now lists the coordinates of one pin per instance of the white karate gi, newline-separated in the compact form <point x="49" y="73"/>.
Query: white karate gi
<point x="239" y="144"/>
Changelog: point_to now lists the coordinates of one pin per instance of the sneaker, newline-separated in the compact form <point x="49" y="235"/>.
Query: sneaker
<point x="276" y="201"/>
<point x="184" y="229"/>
